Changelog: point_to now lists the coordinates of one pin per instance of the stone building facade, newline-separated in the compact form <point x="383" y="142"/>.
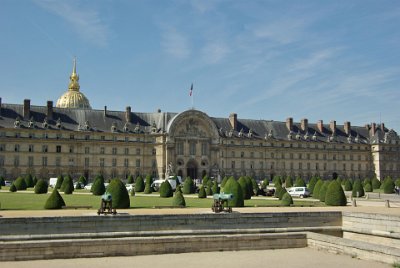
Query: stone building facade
<point x="72" y="138"/>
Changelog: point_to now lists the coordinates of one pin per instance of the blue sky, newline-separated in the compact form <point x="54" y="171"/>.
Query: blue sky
<point x="329" y="60"/>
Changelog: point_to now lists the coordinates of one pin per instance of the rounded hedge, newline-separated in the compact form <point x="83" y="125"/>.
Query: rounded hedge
<point x="188" y="186"/>
<point x="29" y="181"/>
<point x="20" y="184"/>
<point x="55" y="201"/>
<point x="41" y="187"/>
<point x="287" y="200"/>
<point x="98" y="187"/>
<point x="215" y="188"/>
<point x="166" y="189"/>
<point x="139" y="184"/>
<point x="368" y="188"/>
<point x="245" y="189"/>
<point x="312" y="184"/>
<point x="317" y="189"/>
<point x="59" y="182"/>
<point x="348" y="186"/>
<point x="233" y="187"/>
<point x="324" y="189"/>
<point x="67" y="186"/>
<point x="388" y="186"/>
<point x="119" y="194"/>
<point x="335" y="195"/>
<point x="202" y="192"/>
<point x="13" y="188"/>
<point x="358" y="190"/>
<point x="178" y="200"/>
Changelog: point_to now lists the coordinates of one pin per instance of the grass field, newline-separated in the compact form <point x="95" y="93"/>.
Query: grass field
<point x="24" y="200"/>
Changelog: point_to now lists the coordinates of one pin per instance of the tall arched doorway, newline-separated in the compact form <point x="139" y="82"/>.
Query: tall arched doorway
<point x="191" y="169"/>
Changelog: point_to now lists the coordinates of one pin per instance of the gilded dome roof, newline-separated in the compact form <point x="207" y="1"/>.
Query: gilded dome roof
<point x="73" y="98"/>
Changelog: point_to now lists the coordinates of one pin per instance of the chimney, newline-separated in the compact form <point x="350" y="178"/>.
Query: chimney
<point x="49" y="110"/>
<point x="332" y="126"/>
<point x="128" y="114"/>
<point x="320" y="126"/>
<point x="289" y="123"/>
<point x="373" y="128"/>
<point x="382" y="124"/>
<point x="233" y="120"/>
<point x="304" y="124"/>
<point x="0" y="106"/>
<point x="347" y="127"/>
<point x="27" y="109"/>
<point x="105" y="111"/>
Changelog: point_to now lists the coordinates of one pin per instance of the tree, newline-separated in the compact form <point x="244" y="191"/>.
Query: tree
<point x="215" y="188"/>
<point x="119" y="194"/>
<point x="139" y="185"/>
<point x="324" y="189"/>
<point x="148" y="189"/>
<point x="41" y="187"/>
<point x="29" y="181"/>
<point x="202" y="192"/>
<point x="20" y="184"/>
<point x="166" y="189"/>
<point x="98" y="187"/>
<point x="67" y="186"/>
<point x="358" y="190"/>
<point x="312" y="184"/>
<point x="289" y="181"/>
<point x="13" y="188"/>
<point x="368" y="188"/>
<point x="348" y="186"/>
<point x="35" y="180"/>
<point x="278" y="189"/>
<point x="388" y="186"/>
<point x="82" y="180"/>
<point x="233" y="187"/>
<point x="179" y="199"/>
<point x="335" y="195"/>
<point x="59" y="182"/>
<point x="55" y="201"/>
<point x="223" y="182"/>
<point x="2" y="181"/>
<point x="286" y="200"/>
<point x="130" y="179"/>
<point x="132" y="192"/>
<point x="209" y="190"/>
<point x="317" y="189"/>
<point x="205" y="180"/>
<point x="281" y="193"/>
<point x="188" y="186"/>
<point x="300" y="182"/>
<point x="245" y="189"/>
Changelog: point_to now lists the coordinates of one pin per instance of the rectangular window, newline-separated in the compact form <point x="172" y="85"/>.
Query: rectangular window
<point x="16" y="148"/>
<point x="261" y="165"/>
<point x="114" y="150"/>
<point x="102" y="150"/>
<point x="16" y="161"/>
<point x="126" y="151"/>
<point x="179" y="148"/>
<point x="242" y="164"/>
<point x="31" y="135"/>
<point x="30" y="161"/>
<point x="30" y="148"/>
<point x="316" y="166"/>
<point x="2" y="147"/>
<point x="204" y="148"/>
<point x="58" y="148"/>
<point x="241" y="154"/>
<point x="261" y="155"/>
<point x="153" y="163"/>
<point x="126" y="162"/>
<point x="71" y="136"/>
<point x="87" y="137"/>
<point x="102" y="162"/>
<point x="87" y="150"/>
<point x="138" y="151"/>
<point x="233" y="153"/>
<point x="71" y="149"/>
<point x="308" y="166"/>
<point x="44" y="161"/>
<point x="192" y="148"/>
<point x="137" y="162"/>
<point x="251" y="154"/>
<point x="251" y="165"/>
<point x="114" y="162"/>
<point x="153" y="151"/>
<point x="233" y="164"/>
<point x="58" y="136"/>
<point x="300" y="166"/>
<point x="86" y="161"/>
<point x="58" y="161"/>
<point x="71" y="162"/>
<point x="103" y="138"/>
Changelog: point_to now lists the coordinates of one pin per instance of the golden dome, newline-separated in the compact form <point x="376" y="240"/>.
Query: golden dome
<point x="73" y="98"/>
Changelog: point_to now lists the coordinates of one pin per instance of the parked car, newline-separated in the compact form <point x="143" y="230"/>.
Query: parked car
<point x="299" y="192"/>
<point x="171" y="179"/>
<point x="88" y="186"/>
<point x="129" y="187"/>
<point x="7" y="183"/>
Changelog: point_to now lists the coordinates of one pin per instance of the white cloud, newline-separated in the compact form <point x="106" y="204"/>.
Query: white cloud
<point x="85" y="22"/>
<point x="215" y="52"/>
<point x="175" y="43"/>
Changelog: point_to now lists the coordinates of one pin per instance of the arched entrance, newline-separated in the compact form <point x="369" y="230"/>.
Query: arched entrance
<point x="191" y="169"/>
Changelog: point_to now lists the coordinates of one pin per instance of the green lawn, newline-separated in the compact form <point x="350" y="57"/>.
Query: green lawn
<point x="30" y="201"/>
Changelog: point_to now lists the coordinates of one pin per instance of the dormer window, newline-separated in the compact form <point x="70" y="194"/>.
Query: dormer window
<point x="31" y="123"/>
<point x="45" y="124"/>
<point x="58" y="124"/>
<point x="114" y="127"/>
<point x="126" y="127"/>
<point x="17" y="122"/>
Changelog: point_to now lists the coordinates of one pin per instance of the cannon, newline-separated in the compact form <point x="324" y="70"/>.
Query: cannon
<point x="106" y="205"/>
<point x="221" y="203"/>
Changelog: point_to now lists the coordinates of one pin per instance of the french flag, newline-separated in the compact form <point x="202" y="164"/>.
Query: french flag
<point x="191" y="90"/>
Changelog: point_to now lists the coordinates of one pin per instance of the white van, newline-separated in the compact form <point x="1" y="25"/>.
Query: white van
<point x="52" y="182"/>
<point x="298" y="192"/>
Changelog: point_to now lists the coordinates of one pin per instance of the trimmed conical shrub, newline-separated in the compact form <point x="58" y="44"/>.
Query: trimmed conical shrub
<point x="245" y="189"/>
<point x="397" y="182"/>
<point x="255" y="187"/>
<point x="132" y="192"/>
<point x="312" y="184"/>
<point x="67" y="186"/>
<point x="324" y="189"/>
<point x="215" y="188"/>
<point x="277" y="180"/>
<point x="335" y="195"/>
<point x="2" y="181"/>
<point x="205" y="180"/>
<point x="55" y="201"/>
<point x="317" y="189"/>
<point x="366" y="181"/>
<point x="59" y="182"/>
<point x="13" y="188"/>
<point x="388" y="186"/>
<point x="139" y="184"/>
<point x="281" y="193"/>
<point x="249" y="185"/>
<point x="286" y="200"/>
<point x="188" y="186"/>
<point x="29" y="181"/>
<point x="289" y="181"/>
<point x="209" y="188"/>
<point x="98" y="187"/>
<point x="82" y="180"/>
<point x="130" y="179"/>
<point x="233" y="187"/>
<point x="278" y="189"/>
<point x="348" y="186"/>
<point x="223" y="182"/>
<point x="78" y="186"/>
<point x="166" y="189"/>
<point x="35" y="180"/>
<point x="202" y="192"/>
<point x="41" y="187"/>
<point x="179" y="199"/>
<point x="147" y="188"/>
<point x="358" y="190"/>
<point x="300" y="182"/>
<point x="20" y="184"/>
<point x="119" y="194"/>
<point x="368" y="188"/>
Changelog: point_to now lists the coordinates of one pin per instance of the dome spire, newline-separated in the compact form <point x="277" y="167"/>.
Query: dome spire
<point x="74" y="79"/>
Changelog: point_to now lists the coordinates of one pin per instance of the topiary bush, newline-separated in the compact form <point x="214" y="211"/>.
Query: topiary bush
<point x="233" y="187"/>
<point x="55" y="201"/>
<point x="368" y="188"/>
<point x="179" y="199"/>
<point x="82" y="180"/>
<point x="256" y="188"/>
<point x="376" y="184"/>
<point x="223" y="182"/>
<point x="358" y="190"/>
<point x="139" y="184"/>
<point x="147" y="188"/>
<point x="278" y="189"/>
<point x="119" y="194"/>
<point x="59" y="182"/>
<point x="132" y="192"/>
<point x="281" y="193"/>
<point x="289" y="181"/>
<point x="312" y="184"/>
<point x="35" y="180"/>
<point x="29" y="181"/>
<point x="98" y="187"/>
<point x="215" y="188"/>
<point x="188" y="186"/>
<point x="324" y="189"/>
<point x="317" y="189"/>
<point x="78" y="186"/>
<point x="13" y="188"/>
<point x="300" y="182"/>
<point x="67" y="186"/>
<point x="41" y="187"/>
<point x="202" y="192"/>
<point x="397" y="183"/>
<point x="335" y="195"/>
<point x="348" y="186"/>
<point x="209" y="188"/>
<point x="130" y="179"/>
<point x="286" y="200"/>
<point x="388" y="186"/>
<point x="20" y="184"/>
<point x="2" y="181"/>
<point x="366" y="181"/>
<point x="205" y="180"/>
<point x="245" y="189"/>
<point x="265" y="183"/>
<point x="166" y="189"/>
